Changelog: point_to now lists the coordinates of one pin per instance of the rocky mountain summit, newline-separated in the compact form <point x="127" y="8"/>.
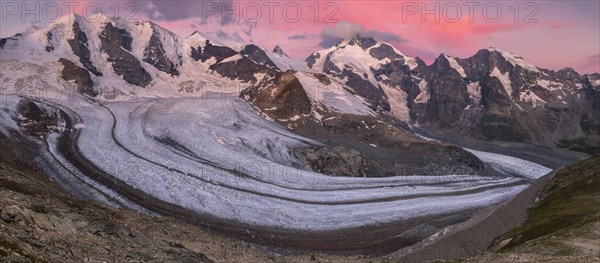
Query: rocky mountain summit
<point x="492" y="96"/>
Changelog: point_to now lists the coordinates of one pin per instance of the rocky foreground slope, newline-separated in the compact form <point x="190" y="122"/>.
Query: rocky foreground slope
<point x="41" y="223"/>
<point x="563" y="225"/>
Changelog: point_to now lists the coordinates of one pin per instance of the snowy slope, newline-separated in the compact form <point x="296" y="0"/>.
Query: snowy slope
<point x="334" y="96"/>
<point x="516" y="60"/>
<point x="284" y="62"/>
<point x="220" y="38"/>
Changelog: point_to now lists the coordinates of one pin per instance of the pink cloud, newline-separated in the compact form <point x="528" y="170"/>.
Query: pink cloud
<point x="564" y="34"/>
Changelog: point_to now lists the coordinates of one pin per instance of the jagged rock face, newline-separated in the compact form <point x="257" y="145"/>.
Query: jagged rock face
<point x="590" y="121"/>
<point x="363" y="42"/>
<point x="514" y="101"/>
<point x="114" y="43"/>
<point x="385" y="51"/>
<point x="154" y="54"/>
<point x="242" y="69"/>
<point x="28" y="109"/>
<point x="118" y="37"/>
<point x="49" y="47"/>
<point x="211" y="51"/>
<point x="322" y="78"/>
<point x="79" y="45"/>
<point x="446" y="101"/>
<point x="312" y="59"/>
<point x="34" y="120"/>
<point x="3" y="41"/>
<point x="282" y="99"/>
<point x="362" y="87"/>
<point x="367" y="90"/>
<point x="493" y="95"/>
<point x="279" y="51"/>
<point x="362" y="64"/>
<point x="396" y="74"/>
<point x="80" y="76"/>
<point x="257" y="55"/>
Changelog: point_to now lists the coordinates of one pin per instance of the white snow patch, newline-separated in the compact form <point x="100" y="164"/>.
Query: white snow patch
<point x="220" y="38"/>
<point x="423" y="96"/>
<point x="532" y="98"/>
<point x="411" y="62"/>
<point x="454" y="64"/>
<point x="549" y="85"/>
<point x="286" y="63"/>
<point x="505" y="79"/>
<point x="333" y="96"/>
<point x="516" y="60"/>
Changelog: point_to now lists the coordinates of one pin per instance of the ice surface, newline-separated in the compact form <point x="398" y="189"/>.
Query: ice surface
<point x="220" y="157"/>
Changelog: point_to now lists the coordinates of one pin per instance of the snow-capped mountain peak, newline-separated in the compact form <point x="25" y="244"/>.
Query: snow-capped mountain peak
<point x="515" y="60"/>
<point x="279" y="51"/>
<point x="220" y="38"/>
<point x="371" y="68"/>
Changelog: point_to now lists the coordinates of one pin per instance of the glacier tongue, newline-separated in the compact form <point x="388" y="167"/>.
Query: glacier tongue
<point x="218" y="156"/>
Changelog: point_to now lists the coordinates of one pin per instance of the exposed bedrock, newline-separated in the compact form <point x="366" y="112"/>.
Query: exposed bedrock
<point x="79" y="45"/>
<point x="282" y="99"/>
<point x="80" y="76"/>
<point x="385" y="149"/>
<point x="154" y="54"/>
<point x="115" y="43"/>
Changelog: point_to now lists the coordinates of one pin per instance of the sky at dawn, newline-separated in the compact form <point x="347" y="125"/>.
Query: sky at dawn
<point x="549" y="34"/>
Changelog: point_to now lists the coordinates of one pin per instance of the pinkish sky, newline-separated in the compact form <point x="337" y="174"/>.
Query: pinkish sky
<point x="549" y="34"/>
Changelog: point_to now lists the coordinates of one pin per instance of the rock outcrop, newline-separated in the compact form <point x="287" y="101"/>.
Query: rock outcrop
<point x="34" y="120"/>
<point x="279" y="51"/>
<point x="79" y="46"/>
<point x="114" y="42"/>
<point x="212" y="51"/>
<point x="154" y="54"/>
<point x="336" y="161"/>
<point x="29" y="110"/>
<point x="257" y="55"/>
<point x="80" y="76"/>
<point x="282" y="98"/>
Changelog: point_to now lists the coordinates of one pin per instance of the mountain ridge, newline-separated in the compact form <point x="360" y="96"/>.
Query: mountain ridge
<point x="493" y="95"/>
